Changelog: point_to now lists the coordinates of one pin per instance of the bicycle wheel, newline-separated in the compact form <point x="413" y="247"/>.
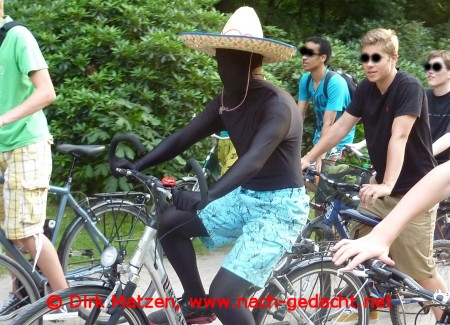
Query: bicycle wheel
<point x="15" y="282"/>
<point x="442" y="229"/>
<point x="441" y="254"/>
<point x="123" y="225"/>
<point x="421" y="313"/>
<point x="83" y="298"/>
<point x="320" y="292"/>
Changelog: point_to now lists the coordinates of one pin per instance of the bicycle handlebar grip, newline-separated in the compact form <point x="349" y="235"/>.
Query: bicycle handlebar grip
<point x="130" y="138"/>
<point x="198" y="170"/>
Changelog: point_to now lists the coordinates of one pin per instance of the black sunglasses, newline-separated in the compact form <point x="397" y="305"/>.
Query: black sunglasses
<point x="306" y="51"/>
<point x="374" y="57"/>
<point x="436" y="66"/>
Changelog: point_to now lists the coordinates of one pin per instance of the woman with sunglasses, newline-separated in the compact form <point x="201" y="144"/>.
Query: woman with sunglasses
<point x="392" y="106"/>
<point x="438" y="75"/>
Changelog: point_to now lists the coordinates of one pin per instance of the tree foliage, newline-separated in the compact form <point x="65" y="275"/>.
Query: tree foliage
<point x="120" y="66"/>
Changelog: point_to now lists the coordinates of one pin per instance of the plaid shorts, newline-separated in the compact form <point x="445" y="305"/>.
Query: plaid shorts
<point x="23" y="196"/>
<point x="264" y="224"/>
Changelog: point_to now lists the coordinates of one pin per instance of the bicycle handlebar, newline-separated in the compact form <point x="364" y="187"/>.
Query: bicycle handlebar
<point x="150" y="180"/>
<point x="384" y="272"/>
<point x="137" y="144"/>
<point x="336" y="185"/>
<point x="203" y="186"/>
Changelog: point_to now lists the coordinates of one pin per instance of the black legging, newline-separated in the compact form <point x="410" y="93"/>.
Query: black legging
<point x="175" y="232"/>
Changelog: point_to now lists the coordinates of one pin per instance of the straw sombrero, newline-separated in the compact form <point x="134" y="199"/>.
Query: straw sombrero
<point x="243" y="32"/>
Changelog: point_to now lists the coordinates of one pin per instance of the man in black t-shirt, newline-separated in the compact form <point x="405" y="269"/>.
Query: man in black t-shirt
<point x="392" y="106"/>
<point x="438" y="75"/>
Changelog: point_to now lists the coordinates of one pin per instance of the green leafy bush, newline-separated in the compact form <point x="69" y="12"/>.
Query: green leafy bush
<point x="120" y="67"/>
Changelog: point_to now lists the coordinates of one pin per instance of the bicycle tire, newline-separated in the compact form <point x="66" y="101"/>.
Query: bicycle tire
<point x="331" y="284"/>
<point x="12" y="274"/>
<point x="78" y="251"/>
<point x="35" y="314"/>
<point x="441" y="254"/>
<point x="442" y="228"/>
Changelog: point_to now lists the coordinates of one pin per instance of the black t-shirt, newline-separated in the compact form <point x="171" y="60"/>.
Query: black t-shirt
<point x="405" y="96"/>
<point x="266" y="132"/>
<point x="439" y="113"/>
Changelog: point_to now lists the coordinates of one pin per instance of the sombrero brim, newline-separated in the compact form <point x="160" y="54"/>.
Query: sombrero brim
<point x="271" y="50"/>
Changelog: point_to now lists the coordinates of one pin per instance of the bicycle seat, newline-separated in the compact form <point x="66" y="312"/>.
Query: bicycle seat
<point x="81" y="150"/>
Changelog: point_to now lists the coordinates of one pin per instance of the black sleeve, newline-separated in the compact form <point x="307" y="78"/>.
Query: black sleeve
<point x="201" y="126"/>
<point x="274" y="125"/>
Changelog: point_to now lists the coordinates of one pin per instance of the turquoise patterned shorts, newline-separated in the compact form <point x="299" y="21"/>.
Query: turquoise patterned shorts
<point x="264" y="224"/>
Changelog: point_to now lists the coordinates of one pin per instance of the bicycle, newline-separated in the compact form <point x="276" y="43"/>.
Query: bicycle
<point x="116" y="219"/>
<point x="395" y="288"/>
<point x="145" y="254"/>
<point x="333" y="224"/>
<point x="442" y="228"/>
<point x="112" y="289"/>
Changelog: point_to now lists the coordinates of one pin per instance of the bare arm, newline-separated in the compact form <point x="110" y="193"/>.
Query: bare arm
<point x="441" y="144"/>
<point x="302" y="106"/>
<point x="328" y="120"/>
<point x="401" y="128"/>
<point x="377" y="243"/>
<point x="43" y="95"/>
<point x="331" y="138"/>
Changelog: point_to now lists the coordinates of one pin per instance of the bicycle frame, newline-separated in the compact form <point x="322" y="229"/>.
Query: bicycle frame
<point x="146" y="253"/>
<point x="335" y="214"/>
<point x="96" y="235"/>
<point x="65" y="198"/>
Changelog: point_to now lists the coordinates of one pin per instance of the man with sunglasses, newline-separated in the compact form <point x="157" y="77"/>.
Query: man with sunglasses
<point x="393" y="108"/>
<point x="316" y="53"/>
<point x="438" y="75"/>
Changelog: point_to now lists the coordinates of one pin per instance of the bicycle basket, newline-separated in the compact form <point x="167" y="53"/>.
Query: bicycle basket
<point x="342" y="173"/>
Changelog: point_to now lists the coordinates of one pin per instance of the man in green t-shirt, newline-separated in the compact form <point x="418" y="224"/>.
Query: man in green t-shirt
<point x="25" y="153"/>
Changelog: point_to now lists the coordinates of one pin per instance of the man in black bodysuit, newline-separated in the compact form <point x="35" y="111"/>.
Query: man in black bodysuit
<point x="260" y="202"/>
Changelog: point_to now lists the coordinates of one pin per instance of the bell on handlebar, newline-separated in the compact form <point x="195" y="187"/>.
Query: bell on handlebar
<point x="169" y="181"/>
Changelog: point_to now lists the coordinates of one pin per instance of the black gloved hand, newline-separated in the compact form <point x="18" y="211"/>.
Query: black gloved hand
<point x="185" y="200"/>
<point x="120" y="163"/>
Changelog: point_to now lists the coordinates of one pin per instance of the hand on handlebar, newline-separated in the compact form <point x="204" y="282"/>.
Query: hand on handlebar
<point x="305" y="164"/>
<point x="186" y="200"/>
<point x="361" y="250"/>
<point x="115" y="162"/>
